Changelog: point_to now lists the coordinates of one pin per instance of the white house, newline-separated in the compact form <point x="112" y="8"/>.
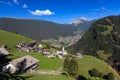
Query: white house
<point x="63" y="52"/>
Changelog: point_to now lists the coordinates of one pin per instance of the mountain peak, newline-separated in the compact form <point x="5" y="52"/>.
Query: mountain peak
<point x="79" y="20"/>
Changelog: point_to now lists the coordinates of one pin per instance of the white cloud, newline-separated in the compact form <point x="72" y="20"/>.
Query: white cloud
<point x="25" y="6"/>
<point x="6" y="3"/>
<point x="16" y="2"/>
<point x="42" y="13"/>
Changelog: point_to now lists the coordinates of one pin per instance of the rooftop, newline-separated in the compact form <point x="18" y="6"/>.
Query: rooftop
<point x="28" y="59"/>
<point x="3" y="52"/>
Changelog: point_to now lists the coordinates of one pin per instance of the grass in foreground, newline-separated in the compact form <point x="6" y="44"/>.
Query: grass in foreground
<point x="89" y="62"/>
<point x="28" y="76"/>
<point x="85" y="64"/>
<point x="47" y="77"/>
<point x="44" y="63"/>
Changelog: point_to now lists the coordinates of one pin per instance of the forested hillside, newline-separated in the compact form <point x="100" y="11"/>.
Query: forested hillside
<point x="40" y="29"/>
<point x="35" y="29"/>
<point x="102" y="40"/>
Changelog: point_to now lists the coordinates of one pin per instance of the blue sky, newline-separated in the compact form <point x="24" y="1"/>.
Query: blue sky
<point x="60" y="11"/>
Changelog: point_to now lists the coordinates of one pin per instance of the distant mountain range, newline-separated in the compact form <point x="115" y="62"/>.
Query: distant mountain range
<point x="82" y="24"/>
<point x="102" y="40"/>
<point x="39" y="29"/>
<point x="78" y="21"/>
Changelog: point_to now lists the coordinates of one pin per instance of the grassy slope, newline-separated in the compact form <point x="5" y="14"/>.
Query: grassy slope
<point x="89" y="62"/>
<point x="46" y="77"/>
<point x="85" y="64"/>
<point x="28" y="76"/>
<point x="11" y="39"/>
<point x="108" y="31"/>
<point x="44" y="63"/>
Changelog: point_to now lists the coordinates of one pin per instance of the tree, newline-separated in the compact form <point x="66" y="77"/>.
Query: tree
<point x="80" y="77"/>
<point x="66" y="65"/>
<point x="110" y="76"/>
<point x="74" y="68"/>
<point x="71" y="66"/>
<point x="95" y="73"/>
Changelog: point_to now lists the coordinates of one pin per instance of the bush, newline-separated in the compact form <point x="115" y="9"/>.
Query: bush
<point x="80" y="77"/>
<point x="95" y="73"/>
<point x="110" y="76"/>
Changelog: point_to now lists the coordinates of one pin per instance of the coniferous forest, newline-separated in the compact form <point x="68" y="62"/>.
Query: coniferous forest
<point x="102" y="40"/>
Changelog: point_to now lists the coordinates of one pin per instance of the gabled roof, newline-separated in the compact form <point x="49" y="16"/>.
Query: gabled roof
<point x="32" y="43"/>
<point x="29" y="61"/>
<point x="3" y="52"/>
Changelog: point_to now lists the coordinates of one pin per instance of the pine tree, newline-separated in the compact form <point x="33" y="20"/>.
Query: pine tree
<point x="110" y="76"/>
<point x="71" y="66"/>
<point x="74" y="69"/>
<point x="66" y="65"/>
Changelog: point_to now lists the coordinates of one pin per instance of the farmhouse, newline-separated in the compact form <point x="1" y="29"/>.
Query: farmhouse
<point x="26" y="47"/>
<point x="3" y="54"/>
<point x="22" y="64"/>
<point x="23" y="46"/>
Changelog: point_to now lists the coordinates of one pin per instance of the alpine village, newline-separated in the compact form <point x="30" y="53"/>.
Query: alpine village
<point x="36" y="45"/>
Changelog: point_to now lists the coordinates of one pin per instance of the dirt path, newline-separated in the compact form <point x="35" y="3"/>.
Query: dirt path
<point x="57" y="72"/>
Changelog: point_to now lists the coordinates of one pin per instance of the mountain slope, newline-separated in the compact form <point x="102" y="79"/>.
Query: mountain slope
<point x="10" y="39"/>
<point x="82" y="25"/>
<point x="35" y="29"/>
<point x="78" y="21"/>
<point x="39" y="29"/>
<point x="102" y="40"/>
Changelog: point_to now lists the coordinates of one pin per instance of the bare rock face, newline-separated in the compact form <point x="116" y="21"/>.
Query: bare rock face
<point x="78" y="21"/>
